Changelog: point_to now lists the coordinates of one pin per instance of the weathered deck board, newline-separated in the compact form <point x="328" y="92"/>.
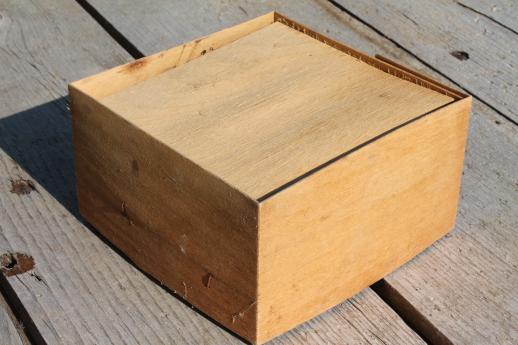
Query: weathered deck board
<point x="433" y="30"/>
<point x="81" y="291"/>
<point x="503" y="12"/>
<point x="464" y="284"/>
<point x="9" y="333"/>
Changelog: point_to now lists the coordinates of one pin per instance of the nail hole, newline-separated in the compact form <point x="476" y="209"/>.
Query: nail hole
<point x="22" y="186"/>
<point x="460" y="55"/>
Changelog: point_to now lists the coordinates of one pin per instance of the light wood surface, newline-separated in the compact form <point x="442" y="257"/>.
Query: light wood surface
<point x="87" y="293"/>
<point x="317" y="103"/>
<point x="183" y="225"/>
<point x="348" y="225"/>
<point x="491" y="140"/>
<point x="121" y="77"/>
<point x="11" y="333"/>
<point x="432" y="30"/>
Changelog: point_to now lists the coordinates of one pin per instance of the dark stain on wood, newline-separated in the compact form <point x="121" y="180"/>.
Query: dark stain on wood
<point x="22" y="186"/>
<point x="460" y="55"/>
<point x="207" y="279"/>
<point x="12" y="264"/>
<point x="38" y="278"/>
<point x="135" y="65"/>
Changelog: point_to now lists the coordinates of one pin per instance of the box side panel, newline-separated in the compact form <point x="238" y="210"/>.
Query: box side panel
<point x="121" y="77"/>
<point x="183" y="226"/>
<point x="348" y="225"/>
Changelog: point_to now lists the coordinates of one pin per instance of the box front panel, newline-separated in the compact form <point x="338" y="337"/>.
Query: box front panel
<point x="346" y="226"/>
<point x="176" y="222"/>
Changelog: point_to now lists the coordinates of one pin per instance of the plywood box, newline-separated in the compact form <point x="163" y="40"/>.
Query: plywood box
<point x="265" y="172"/>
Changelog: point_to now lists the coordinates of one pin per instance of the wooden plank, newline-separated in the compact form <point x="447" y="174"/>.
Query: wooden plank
<point x="11" y="331"/>
<point x="257" y="91"/>
<point x="502" y="12"/>
<point x="487" y="307"/>
<point x="472" y="50"/>
<point x="80" y="291"/>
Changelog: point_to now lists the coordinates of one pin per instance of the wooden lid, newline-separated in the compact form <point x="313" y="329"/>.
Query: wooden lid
<point x="264" y="110"/>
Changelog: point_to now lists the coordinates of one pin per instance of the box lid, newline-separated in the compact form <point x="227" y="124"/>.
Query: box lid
<point x="270" y="107"/>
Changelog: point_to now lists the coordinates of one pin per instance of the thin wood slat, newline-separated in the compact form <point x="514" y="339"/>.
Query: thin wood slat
<point x="80" y="291"/>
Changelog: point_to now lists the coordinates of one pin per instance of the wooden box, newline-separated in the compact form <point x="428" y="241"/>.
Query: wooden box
<point x="265" y="173"/>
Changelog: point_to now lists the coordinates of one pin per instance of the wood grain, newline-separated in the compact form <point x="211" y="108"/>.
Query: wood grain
<point x="113" y="80"/>
<point x="351" y="223"/>
<point x="492" y="146"/>
<point x="87" y="293"/>
<point x="177" y="222"/>
<point x="11" y="332"/>
<point x="435" y="30"/>
<point x="259" y="115"/>
<point x="502" y="12"/>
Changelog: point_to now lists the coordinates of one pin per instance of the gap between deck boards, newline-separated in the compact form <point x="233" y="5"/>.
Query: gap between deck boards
<point x="409" y="314"/>
<point x="111" y="30"/>
<point x="20" y="313"/>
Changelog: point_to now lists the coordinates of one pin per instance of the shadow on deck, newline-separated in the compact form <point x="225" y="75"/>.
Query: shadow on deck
<point x="39" y="139"/>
